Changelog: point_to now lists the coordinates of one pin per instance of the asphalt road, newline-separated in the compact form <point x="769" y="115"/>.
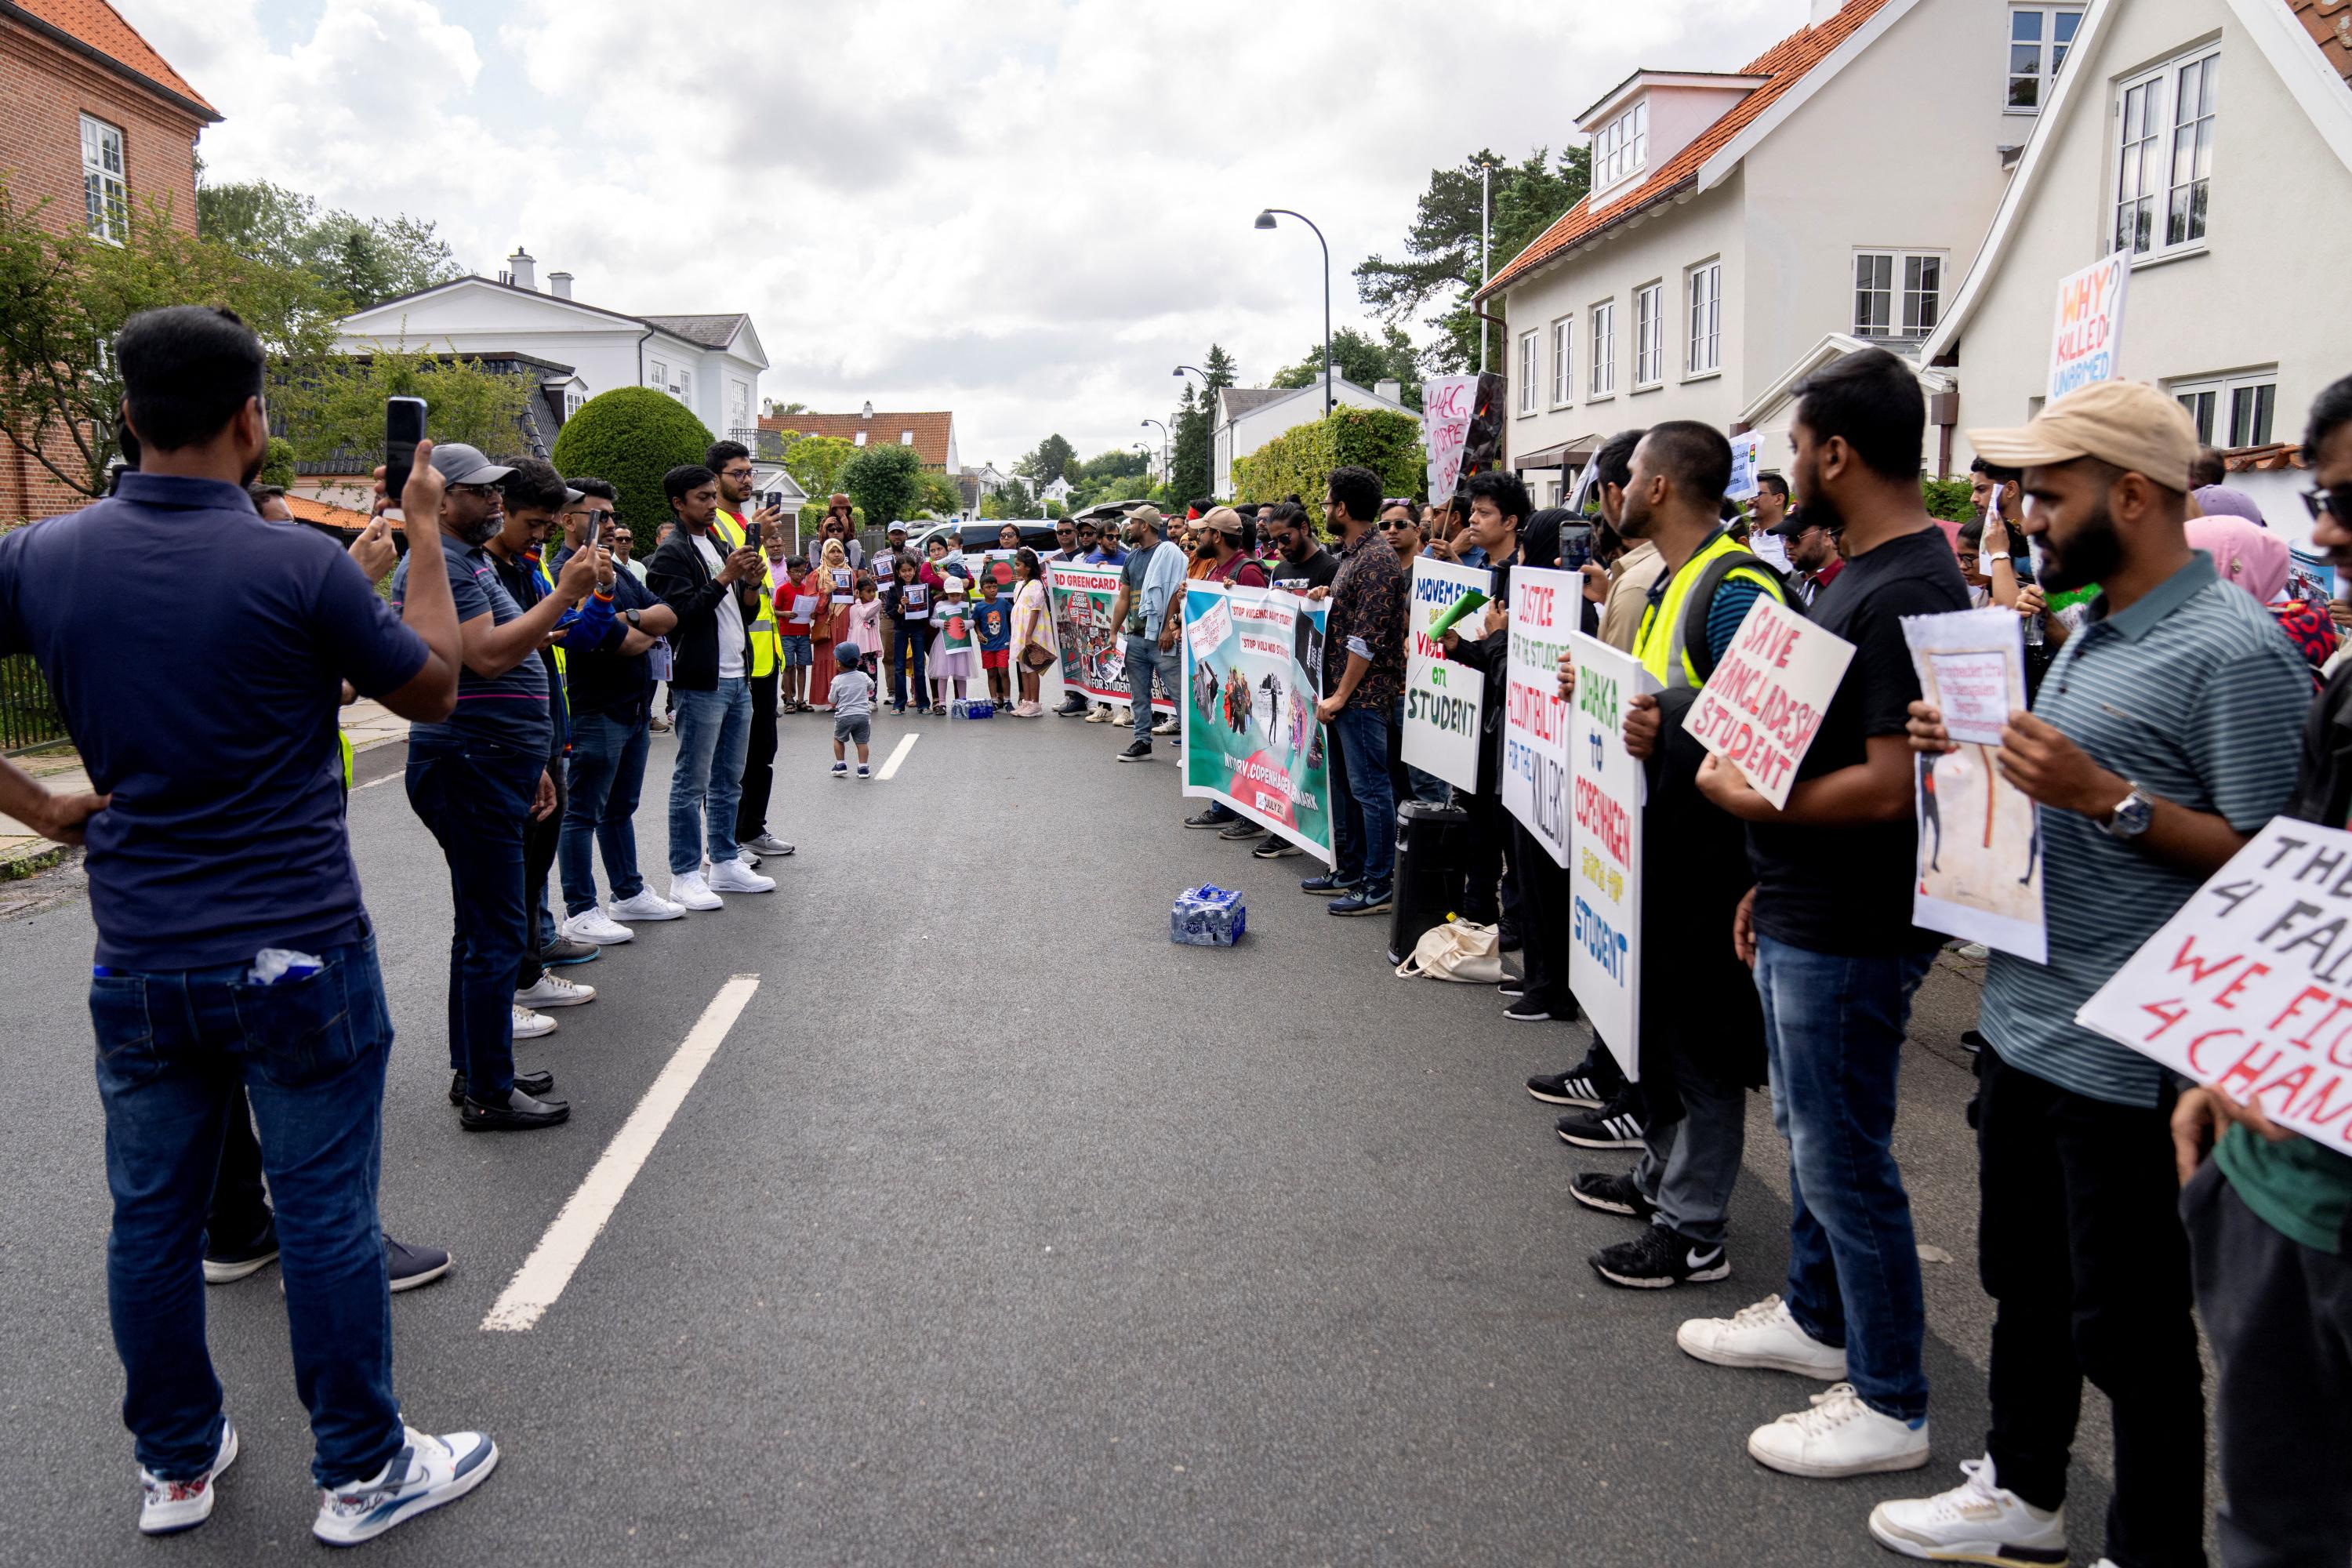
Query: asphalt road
<point x="998" y="1229"/>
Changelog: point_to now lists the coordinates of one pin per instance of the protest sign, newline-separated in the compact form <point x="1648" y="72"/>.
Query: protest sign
<point x="2308" y="576"/>
<point x="842" y="578"/>
<point x="1443" y="701"/>
<point x="1447" y="402"/>
<point x="1094" y="657"/>
<point x="1604" y="960"/>
<point x="1761" y="707"/>
<point x="1746" y="452"/>
<point x="2090" y="325"/>
<point x="2245" y="989"/>
<point x="1771" y="549"/>
<point x="1251" y="737"/>
<point x="1979" y="848"/>
<point x="998" y="565"/>
<point x="1544" y="608"/>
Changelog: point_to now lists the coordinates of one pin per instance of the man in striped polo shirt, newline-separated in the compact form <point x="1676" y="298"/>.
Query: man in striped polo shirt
<point x="2163" y="736"/>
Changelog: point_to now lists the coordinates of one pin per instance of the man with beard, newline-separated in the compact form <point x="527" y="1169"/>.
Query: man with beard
<point x="732" y="529"/>
<point x="1813" y="554"/>
<point x="1301" y="565"/>
<point x="2163" y="737"/>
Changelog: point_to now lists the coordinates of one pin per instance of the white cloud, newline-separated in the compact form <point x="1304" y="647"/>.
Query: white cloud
<point x="1026" y="210"/>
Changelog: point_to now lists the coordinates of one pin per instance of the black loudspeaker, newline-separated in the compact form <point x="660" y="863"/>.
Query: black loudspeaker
<point x="1429" y="844"/>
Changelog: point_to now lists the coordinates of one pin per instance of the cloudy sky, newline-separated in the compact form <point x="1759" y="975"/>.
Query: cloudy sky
<point x="1027" y="211"/>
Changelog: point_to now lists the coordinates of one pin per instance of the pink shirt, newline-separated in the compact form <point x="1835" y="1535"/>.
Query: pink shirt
<point x="865" y="627"/>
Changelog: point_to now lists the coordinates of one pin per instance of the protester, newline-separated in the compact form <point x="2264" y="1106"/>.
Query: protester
<point x="1222" y="552"/>
<point x="840" y="524"/>
<point x="733" y="526"/>
<point x="1771" y="503"/>
<point x="850" y="699"/>
<point x="1401" y="526"/>
<point x="1035" y="649"/>
<point x="1835" y="954"/>
<point x="2162" y="739"/>
<point x="713" y="596"/>
<point x="1969" y="555"/>
<point x="951" y="667"/>
<point x="992" y="621"/>
<point x="1101" y="548"/>
<point x="1149" y="607"/>
<point x="796" y="603"/>
<point x="1634" y="573"/>
<point x="1812" y="551"/>
<point x="1363" y="674"/>
<point x="865" y="620"/>
<point x="907" y="612"/>
<point x="1066" y="541"/>
<point x="1498" y="509"/>
<point x="834" y="580"/>
<point x="624" y="552"/>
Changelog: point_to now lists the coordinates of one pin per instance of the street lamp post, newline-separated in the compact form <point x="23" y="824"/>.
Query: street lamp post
<point x="1265" y="220"/>
<point x="1164" y="475"/>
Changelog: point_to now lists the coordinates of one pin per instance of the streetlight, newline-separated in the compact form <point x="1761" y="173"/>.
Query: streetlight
<point x="1163" y="446"/>
<point x="1265" y="220"/>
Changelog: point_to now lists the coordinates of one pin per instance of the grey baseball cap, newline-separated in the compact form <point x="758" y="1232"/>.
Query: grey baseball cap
<point x="463" y="465"/>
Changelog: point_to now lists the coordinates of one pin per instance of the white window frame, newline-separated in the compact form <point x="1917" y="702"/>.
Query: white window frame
<point x="1917" y="288"/>
<point x="858" y="440"/>
<point x="1526" y="374"/>
<point x="105" y="180"/>
<point x="686" y="385"/>
<point x="2226" y="397"/>
<point x="659" y="369"/>
<point x="1602" y="336"/>
<point x="1650" y="335"/>
<point x="1620" y="148"/>
<point x="906" y="438"/>
<point x="739" y="406"/>
<point x="2049" y="53"/>
<point x="2165" y="199"/>
<point x="1563" y="362"/>
<point x="1703" y="293"/>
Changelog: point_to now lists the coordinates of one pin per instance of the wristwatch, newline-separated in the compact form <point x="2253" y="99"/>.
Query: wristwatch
<point x="632" y="617"/>
<point x="2131" y="816"/>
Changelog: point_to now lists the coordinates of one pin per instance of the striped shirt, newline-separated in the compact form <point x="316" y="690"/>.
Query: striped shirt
<point x="2192" y="695"/>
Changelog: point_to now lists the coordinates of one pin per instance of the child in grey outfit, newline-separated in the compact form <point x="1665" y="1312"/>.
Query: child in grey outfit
<point x="853" y="710"/>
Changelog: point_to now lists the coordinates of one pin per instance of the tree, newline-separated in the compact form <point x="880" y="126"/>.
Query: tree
<point x="815" y="462"/>
<point x="336" y="407"/>
<point x="64" y="298"/>
<point x="1300" y="460"/>
<point x="1219" y="367"/>
<point x="1188" y="471"/>
<point x="1014" y="500"/>
<point x="881" y="482"/>
<point x="936" y="494"/>
<point x="1442" y="247"/>
<point x="1358" y="359"/>
<point x="1047" y="462"/>
<point x="366" y="260"/>
<point x="632" y="436"/>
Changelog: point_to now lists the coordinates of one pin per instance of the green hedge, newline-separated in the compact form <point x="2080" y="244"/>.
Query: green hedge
<point x="1948" y="498"/>
<point x="631" y="437"/>
<point x="1300" y="461"/>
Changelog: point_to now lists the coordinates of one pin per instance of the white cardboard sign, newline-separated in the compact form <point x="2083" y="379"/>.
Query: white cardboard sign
<point x="1604" y="962"/>
<point x="1448" y="403"/>
<point x="1763" y="705"/>
<point x="1444" y="701"/>
<point x="2090" y="325"/>
<point x="1536" y="787"/>
<point x="1746" y="452"/>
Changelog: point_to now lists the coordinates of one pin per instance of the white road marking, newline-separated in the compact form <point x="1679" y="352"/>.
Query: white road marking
<point x="548" y="1268"/>
<point x="385" y="780"/>
<point x="898" y="754"/>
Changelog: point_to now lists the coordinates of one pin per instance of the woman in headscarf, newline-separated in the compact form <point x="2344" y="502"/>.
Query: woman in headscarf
<point x="834" y="580"/>
<point x="2250" y="556"/>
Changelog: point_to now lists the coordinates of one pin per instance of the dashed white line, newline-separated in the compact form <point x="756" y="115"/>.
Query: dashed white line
<point x="548" y="1268"/>
<point x="373" y="783"/>
<point x="898" y="754"/>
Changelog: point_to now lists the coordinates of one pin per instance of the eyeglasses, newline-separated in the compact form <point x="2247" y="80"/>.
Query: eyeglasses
<point x="2329" y="500"/>
<point x="482" y="492"/>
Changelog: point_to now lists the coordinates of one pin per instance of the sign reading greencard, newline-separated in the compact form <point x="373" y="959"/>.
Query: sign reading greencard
<point x="1094" y="658"/>
<point x="1253" y="658"/>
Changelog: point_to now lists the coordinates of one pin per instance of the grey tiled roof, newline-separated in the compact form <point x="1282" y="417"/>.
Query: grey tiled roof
<point x="711" y="332"/>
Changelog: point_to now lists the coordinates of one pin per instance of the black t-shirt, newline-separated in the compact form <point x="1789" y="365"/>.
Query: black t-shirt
<point x="605" y="680"/>
<point x="1848" y="889"/>
<point x="1316" y="572"/>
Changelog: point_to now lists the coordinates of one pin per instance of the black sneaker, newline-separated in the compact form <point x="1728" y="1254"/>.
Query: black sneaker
<point x="1275" y="848"/>
<point x="1506" y="939"/>
<point x="531" y="1083"/>
<point x="1972" y="1041"/>
<point x="412" y="1266"/>
<point x="1612" y="1194"/>
<point x="1240" y="828"/>
<point x="1216" y="816"/>
<point x="1523" y="1011"/>
<point x="1587" y="1083"/>
<point x="1511" y="987"/>
<point x="1614" y="1126"/>
<point x="227" y="1265"/>
<point x="1329" y="884"/>
<point x="1659" y="1258"/>
<point x="1137" y="751"/>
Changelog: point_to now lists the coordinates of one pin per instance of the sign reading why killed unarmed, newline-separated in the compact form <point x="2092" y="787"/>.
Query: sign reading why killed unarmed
<point x="1980" y="849"/>
<point x="2248" y="989"/>
<point x="1443" y="700"/>
<point x="1763" y="705"/>
<point x="1251" y="737"/>
<point x="1447" y="404"/>
<point x="1604" y="963"/>
<point x="1536" y="789"/>
<point x="2090" y="325"/>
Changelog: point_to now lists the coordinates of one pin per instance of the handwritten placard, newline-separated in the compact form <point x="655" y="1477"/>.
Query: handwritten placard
<point x="2090" y="325"/>
<point x="1443" y="700"/>
<point x="1536" y="780"/>
<point x="1979" y="875"/>
<point x="1763" y="705"/>
<point x="1746" y="452"/>
<point x="1605" y="955"/>
<point x="1448" y="403"/>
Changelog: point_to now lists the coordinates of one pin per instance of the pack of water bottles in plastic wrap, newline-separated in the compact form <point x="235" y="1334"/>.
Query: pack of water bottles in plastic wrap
<point x="973" y="707"/>
<point x="1206" y="916"/>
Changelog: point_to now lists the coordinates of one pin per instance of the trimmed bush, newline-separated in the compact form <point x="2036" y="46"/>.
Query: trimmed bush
<point x="1300" y="461"/>
<point x="1948" y="498"/>
<point x="631" y="437"/>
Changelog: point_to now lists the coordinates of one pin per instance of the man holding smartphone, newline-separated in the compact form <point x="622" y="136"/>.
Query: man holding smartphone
<point x="736" y="526"/>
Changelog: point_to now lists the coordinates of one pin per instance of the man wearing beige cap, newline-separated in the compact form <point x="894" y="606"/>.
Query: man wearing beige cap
<point x="1149" y="586"/>
<point x="2164" y="735"/>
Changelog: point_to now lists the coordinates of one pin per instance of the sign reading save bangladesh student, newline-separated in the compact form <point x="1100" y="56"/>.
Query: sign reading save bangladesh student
<point x="1763" y="705"/>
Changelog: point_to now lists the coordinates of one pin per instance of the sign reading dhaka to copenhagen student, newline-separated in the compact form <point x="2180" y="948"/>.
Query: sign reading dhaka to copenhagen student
<point x="1604" y="963"/>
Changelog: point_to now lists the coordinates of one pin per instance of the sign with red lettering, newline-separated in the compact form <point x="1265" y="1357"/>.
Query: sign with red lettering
<point x="1763" y="705"/>
<point x="1544" y="606"/>
<point x="1447" y="404"/>
<point x="2090" y="325"/>
<point x="2248" y="989"/>
<point x="1605" y="955"/>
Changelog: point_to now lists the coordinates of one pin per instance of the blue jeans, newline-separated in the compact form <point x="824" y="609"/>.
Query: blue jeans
<point x="714" y="732"/>
<point x="1362" y="735"/>
<point x="607" y="773"/>
<point x="475" y="796"/>
<point x="173" y="1049"/>
<point x="1834" y="1029"/>
<point x="1405" y="781"/>
<point x="1144" y="654"/>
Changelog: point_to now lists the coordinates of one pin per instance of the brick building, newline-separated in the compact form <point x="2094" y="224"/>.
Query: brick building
<point x="92" y="120"/>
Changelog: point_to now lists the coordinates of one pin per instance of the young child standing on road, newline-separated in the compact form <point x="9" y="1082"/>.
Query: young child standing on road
<point x="865" y="623"/>
<point x="796" y="603"/>
<point x="907" y="608"/>
<point x="954" y="656"/>
<point x="992" y="623"/>
<point x="851" y="697"/>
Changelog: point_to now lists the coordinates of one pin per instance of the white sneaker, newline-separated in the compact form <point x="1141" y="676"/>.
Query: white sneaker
<point x="648" y="905"/>
<point x="1976" y="1522"/>
<point x="423" y="1475"/>
<point x="1762" y="1335"/>
<point x="690" y="892"/>
<point x="553" y="991"/>
<point x="1125" y="716"/>
<point x="737" y="878"/>
<point x="1098" y="715"/>
<point x="592" y="926"/>
<point x="1839" y="1435"/>
<point x="165" y="1508"/>
<point x="530" y="1026"/>
<point x="1164" y="726"/>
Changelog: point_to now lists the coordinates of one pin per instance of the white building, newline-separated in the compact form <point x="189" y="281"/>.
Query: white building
<point x="2237" y="242"/>
<point x="1247" y="418"/>
<point x="711" y="364"/>
<point x="1840" y="183"/>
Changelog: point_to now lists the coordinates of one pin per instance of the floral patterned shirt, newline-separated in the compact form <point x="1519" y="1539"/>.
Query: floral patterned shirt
<point x="1367" y="618"/>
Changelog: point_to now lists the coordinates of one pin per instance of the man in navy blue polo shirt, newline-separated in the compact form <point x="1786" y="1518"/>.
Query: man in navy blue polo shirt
<point x="232" y="946"/>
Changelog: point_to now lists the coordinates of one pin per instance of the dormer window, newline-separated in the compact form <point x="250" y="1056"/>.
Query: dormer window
<point x="1621" y="147"/>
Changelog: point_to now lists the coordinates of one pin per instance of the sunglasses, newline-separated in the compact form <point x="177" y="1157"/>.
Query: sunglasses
<point x="2329" y="500"/>
<point x="484" y="492"/>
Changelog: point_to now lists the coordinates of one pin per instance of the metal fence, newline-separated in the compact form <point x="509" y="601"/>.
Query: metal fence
<point x="28" y="717"/>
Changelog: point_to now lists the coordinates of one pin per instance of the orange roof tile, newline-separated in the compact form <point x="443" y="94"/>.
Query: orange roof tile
<point x="326" y="513"/>
<point x="882" y="430"/>
<point x="1786" y="63"/>
<point x="2329" y="23"/>
<point x="102" y="28"/>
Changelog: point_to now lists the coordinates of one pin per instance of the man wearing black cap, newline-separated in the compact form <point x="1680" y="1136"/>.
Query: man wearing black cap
<point x="1813" y="548"/>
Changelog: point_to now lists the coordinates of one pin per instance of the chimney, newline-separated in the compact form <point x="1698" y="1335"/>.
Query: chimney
<point x="1392" y="390"/>
<point x="869" y="411"/>
<point x="560" y="285"/>
<point x="1825" y="9"/>
<point x="520" y="267"/>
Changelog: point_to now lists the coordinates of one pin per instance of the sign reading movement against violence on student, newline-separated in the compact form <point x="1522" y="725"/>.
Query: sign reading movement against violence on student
<point x="1253" y="663"/>
<point x="2090" y="325"/>
<point x="2248" y="989"/>
<point x="1544" y="608"/>
<point x="1094" y="659"/>
<point x="1443" y="700"/>
<point x="1604" y="964"/>
<point x="1763" y="705"/>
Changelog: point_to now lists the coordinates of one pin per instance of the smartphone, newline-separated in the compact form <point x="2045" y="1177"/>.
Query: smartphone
<point x="1575" y="547"/>
<point x="403" y="426"/>
<point x="751" y="533"/>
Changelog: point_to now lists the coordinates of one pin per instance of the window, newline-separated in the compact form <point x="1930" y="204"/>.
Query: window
<point x="1649" y="334"/>
<point x="739" y="406"/>
<point x="1527" y="373"/>
<point x="105" y="194"/>
<point x="659" y="370"/>
<point x="1897" y="293"/>
<point x="1604" y="350"/>
<point x="2039" y="38"/>
<point x="906" y="438"/>
<point x="1706" y="318"/>
<point x="858" y="440"/>
<point x="685" y="387"/>
<point x="1563" y="362"/>
<point x="2165" y="155"/>
<point x="573" y="401"/>
<point x="2230" y="411"/>
<point x="1621" y="147"/>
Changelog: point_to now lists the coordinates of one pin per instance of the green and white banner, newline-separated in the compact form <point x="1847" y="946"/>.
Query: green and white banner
<point x="1253" y="664"/>
<point x="1094" y="657"/>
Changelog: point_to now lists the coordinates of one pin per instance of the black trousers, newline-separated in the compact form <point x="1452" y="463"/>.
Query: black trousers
<point x="1487" y="831"/>
<point x="2080" y="1245"/>
<point x="1546" y="918"/>
<point x="539" y="840"/>
<point x="759" y="761"/>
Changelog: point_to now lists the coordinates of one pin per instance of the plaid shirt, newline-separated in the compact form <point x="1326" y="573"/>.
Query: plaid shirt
<point x="1367" y="616"/>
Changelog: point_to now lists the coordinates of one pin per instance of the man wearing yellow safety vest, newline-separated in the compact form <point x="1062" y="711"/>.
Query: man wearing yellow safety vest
<point x="735" y="525"/>
<point x="1702" y="1041"/>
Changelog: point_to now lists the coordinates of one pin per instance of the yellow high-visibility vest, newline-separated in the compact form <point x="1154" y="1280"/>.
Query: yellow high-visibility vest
<point x="1659" y="643"/>
<point x="765" y="648"/>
